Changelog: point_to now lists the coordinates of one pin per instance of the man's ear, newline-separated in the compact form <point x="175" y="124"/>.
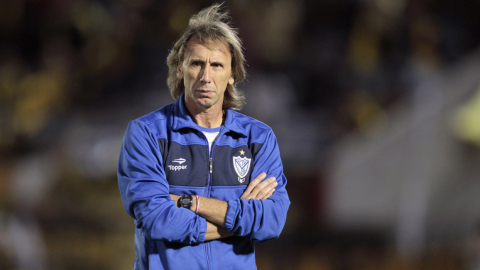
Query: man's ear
<point x="231" y="80"/>
<point x="179" y="71"/>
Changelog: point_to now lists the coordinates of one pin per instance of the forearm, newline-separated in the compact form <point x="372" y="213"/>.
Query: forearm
<point x="215" y="211"/>
<point x="212" y="210"/>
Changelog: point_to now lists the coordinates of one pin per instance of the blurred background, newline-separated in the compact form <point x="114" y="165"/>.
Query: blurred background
<point x="375" y="104"/>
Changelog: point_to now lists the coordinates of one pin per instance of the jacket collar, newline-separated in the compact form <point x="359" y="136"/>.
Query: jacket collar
<point x="182" y="119"/>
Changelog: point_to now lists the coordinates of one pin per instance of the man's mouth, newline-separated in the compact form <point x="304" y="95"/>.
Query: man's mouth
<point x="204" y="91"/>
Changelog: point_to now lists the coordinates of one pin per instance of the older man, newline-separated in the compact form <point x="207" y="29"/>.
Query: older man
<point x="203" y="182"/>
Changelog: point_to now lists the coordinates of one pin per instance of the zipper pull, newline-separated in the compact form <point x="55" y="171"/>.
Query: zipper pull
<point x="211" y="165"/>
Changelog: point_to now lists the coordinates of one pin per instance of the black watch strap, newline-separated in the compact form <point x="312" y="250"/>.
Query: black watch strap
<point x="185" y="201"/>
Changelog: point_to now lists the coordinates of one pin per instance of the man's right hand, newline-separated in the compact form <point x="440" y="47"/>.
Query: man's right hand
<point x="258" y="191"/>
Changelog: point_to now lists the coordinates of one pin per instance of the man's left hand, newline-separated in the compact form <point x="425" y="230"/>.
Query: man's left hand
<point x="259" y="190"/>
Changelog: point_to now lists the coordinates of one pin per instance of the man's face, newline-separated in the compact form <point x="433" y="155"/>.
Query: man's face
<point x="206" y="72"/>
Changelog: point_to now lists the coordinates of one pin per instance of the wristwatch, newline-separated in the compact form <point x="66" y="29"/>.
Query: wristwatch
<point x="185" y="201"/>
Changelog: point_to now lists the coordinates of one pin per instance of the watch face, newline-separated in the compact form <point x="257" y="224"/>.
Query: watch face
<point x="185" y="201"/>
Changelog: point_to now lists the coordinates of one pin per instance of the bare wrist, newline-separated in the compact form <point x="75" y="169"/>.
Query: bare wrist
<point x="194" y="203"/>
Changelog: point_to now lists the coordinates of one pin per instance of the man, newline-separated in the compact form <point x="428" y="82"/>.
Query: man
<point x="202" y="181"/>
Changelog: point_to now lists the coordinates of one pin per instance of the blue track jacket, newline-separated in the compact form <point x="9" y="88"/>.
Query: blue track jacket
<point x="166" y="152"/>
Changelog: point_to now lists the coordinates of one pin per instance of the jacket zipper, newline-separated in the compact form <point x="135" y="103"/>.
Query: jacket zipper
<point x="207" y="191"/>
<point x="210" y="170"/>
<point x="210" y="163"/>
<point x="206" y="251"/>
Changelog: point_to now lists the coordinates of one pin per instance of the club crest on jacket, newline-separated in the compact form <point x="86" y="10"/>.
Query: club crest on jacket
<point x="241" y="165"/>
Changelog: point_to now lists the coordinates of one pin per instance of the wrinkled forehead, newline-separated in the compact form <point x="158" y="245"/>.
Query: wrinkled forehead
<point x="211" y="44"/>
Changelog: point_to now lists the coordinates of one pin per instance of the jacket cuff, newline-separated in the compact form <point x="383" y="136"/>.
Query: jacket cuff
<point x="231" y="213"/>
<point x="203" y="230"/>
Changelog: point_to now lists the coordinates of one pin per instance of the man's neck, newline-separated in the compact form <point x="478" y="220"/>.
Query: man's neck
<point x="209" y="117"/>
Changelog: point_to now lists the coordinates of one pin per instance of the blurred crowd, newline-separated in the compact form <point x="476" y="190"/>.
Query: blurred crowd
<point x="73" y="73"/>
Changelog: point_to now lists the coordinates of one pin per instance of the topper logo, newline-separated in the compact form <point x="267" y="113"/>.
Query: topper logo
<point x="179" y="160"/>
<point x="179" y="167"/>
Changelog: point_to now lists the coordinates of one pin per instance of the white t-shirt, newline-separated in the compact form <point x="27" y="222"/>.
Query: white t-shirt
<point x="211" y="134"/>
<point x="211" y="137"/>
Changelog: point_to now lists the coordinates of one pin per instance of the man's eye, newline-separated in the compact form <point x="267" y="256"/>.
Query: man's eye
<point x="197" y="63"/>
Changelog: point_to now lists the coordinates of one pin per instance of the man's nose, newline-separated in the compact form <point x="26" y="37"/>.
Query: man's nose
<point x="206" y="75"/>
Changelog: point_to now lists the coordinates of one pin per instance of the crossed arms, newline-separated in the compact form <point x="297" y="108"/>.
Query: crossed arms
<point x="146" y="196"/>
<point x="214" y="211"/>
